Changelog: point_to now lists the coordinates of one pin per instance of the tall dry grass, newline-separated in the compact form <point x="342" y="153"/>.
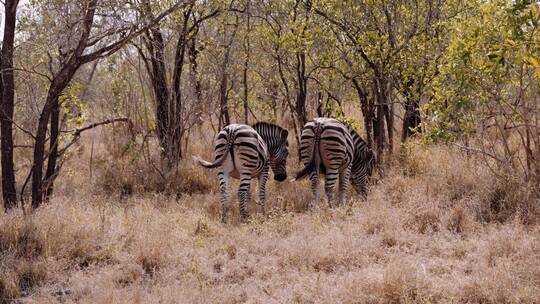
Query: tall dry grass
<point x="438" y="227"/>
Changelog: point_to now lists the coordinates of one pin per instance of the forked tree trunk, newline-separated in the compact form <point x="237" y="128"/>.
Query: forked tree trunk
<point x="85" y="51"/>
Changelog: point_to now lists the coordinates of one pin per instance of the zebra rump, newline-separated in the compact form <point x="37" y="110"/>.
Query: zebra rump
<point x="245" y="152"/>
<point x="333" y="148"/>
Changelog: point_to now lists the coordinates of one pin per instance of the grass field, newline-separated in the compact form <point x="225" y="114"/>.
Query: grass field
<point x="437" y="228"/>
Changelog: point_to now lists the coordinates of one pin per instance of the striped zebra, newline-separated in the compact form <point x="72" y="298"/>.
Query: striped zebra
<point x="363" y="164"/>
<point x="245" y="152"/>
<point x="334" y="149"/>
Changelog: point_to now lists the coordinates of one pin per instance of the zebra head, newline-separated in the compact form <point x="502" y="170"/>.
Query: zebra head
<point x="277" y="143"/>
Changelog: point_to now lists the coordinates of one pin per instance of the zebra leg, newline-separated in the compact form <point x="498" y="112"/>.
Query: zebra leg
<point x="244" y="195"/>
<point x="330" y="184"/>
<point x="262" y="186"/>
<point x="344" y="177"/>
<point x="363" y="187"/>
<point x="314" y="177"/>
<point x="223" y="187"/>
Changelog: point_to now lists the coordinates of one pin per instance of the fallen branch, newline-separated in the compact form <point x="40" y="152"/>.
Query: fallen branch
<point x="479" y="151"/>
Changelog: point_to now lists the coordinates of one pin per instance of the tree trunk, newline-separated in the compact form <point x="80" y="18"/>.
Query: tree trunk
<point x="194" y="75"/>
<point x="158" y="77"/>
<point x="301" y="94"/>
<point x="367" y="111"/>
<point x="389" y="117"/>
<point x="245" y="84"/>
<point x="247" y="48"/>
<point x="53" y="148"/>
<point x="379" y="132"/>
<point x="58" y="85"/>
<point x="7" y="83"/>
<point x="411" y="119"/>
<point x="224" y="118"/>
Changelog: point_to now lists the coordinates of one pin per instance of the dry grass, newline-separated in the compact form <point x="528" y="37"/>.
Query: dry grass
<point x="437" y="228"/>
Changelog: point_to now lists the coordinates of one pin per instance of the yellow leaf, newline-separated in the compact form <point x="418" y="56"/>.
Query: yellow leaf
<point x="534" y="62"/>
<point x="511" y="42"/>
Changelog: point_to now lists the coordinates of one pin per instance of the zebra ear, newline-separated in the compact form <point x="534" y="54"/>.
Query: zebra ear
<point x="284" y="133"/>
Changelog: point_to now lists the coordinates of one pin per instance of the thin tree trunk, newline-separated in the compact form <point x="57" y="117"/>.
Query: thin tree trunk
<point x="194" y="75"/>
<point x="53" y="148"/>
<point x="367" y="111"/>
<point x="301" y="94"/>
<point x="176" y="108"/>
<point x="7" y="105"/>
<point x="246" y="65"/>
<point x="224" y="118"/>
<point x="379" y="133"/>
<point x="223" y="96"/>
<point x="411" y="119"/>
<point x="158" y="75"/>
<point x="39" y="147"/>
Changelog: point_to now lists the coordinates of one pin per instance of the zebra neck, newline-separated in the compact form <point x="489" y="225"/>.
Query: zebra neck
<point x="271" y="144"/>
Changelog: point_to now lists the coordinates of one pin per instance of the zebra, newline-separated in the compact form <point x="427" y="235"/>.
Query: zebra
<point x="363" y="164"/>
<point x="245" y="152"/>
<point x="334" y="149"/>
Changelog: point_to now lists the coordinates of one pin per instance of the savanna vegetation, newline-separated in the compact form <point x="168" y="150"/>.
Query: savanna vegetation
<point x="103" y="103"/>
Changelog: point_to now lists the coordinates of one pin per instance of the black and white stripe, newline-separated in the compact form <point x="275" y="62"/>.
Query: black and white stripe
<point x="326" y="147"/>
<point x="244" y="152"/>
<point x="363" y="164"/>
<point x="331" y="147"/>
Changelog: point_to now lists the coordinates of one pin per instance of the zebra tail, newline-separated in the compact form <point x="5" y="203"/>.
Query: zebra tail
<point x="218" y="161"/>
<point x="314" y="162"/>
<point x="310" y="167"/>
<point x="208" y="164"/>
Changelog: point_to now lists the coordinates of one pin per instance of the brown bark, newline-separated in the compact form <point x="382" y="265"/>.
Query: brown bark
<point x="224" y="118"/>
<point x="7" y="91"/>
<point x="411" y="119"/>
<point x="379" y="132"/>
<point x="223" y="87"/>
<point x="194" y="74"/>
<point x="158" y="77"/>
<point x="367" y="111"/>
<point x="247" y="50"/>
<point x="301" y="93"/>
<point x="53" y="148"/>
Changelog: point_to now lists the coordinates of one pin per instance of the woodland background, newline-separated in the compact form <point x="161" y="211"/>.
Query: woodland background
<point x="103" y="102"/>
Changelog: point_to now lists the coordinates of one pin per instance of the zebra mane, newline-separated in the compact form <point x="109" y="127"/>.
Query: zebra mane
<point x="262" y="124"/>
